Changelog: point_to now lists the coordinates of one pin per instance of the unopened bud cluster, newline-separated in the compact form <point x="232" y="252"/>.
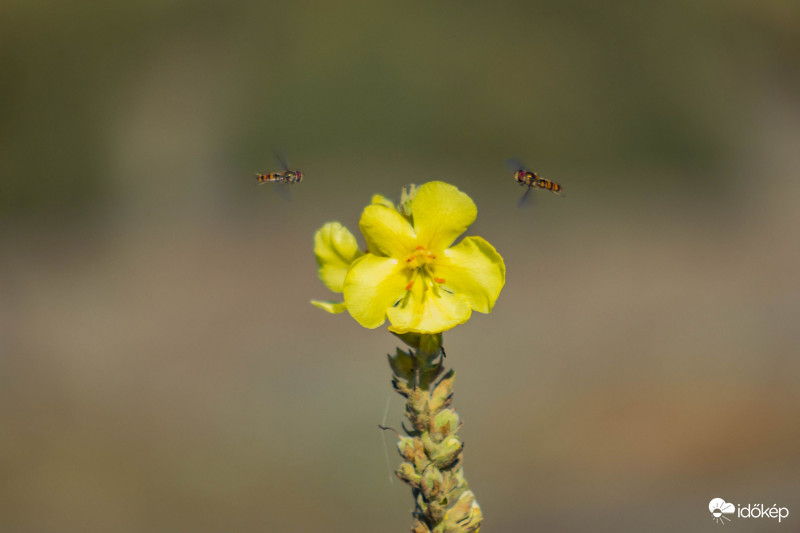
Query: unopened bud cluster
<point x="432" y="451"/>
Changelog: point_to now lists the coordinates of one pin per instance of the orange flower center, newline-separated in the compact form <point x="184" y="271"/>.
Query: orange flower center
<point x="420" y="263"/>
<point x="419" y="258"/>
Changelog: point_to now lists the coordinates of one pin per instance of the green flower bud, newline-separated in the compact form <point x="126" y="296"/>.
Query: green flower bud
<point x="407" y="474"/>
<point x="406" y="448"/>
<point x="417" y="402"/>
<point x="419" y="452"/>
<point x="447" y="453"/>
<point x="445" y="423"/>
<point x="417" y="409"/>
<point x="435" y="512"/>
<point x="465" y="514"/>
<point x="443" y="393"/>
<point x="431" y="483"/>
<point x="427" y="444"/>
<point x="452" y="480"/>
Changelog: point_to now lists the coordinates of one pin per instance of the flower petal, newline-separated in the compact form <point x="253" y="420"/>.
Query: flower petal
<point x="428" y="311"/>
<point x="441" y="213"/>
<point x="386" y="231"/>
<point x="335" y="248"/>
<point x="378" y="199"/>
<point x="474" y="269"/>
<point x="332" y="307"/>
<point x="373" y="285"/>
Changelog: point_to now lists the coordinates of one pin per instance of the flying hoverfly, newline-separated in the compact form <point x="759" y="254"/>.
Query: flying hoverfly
<point x="286" y="176"/>
<point x="531" y="180"/>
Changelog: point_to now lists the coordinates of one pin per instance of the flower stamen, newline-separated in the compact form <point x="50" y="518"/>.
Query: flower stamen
<point x="420" y="258"/>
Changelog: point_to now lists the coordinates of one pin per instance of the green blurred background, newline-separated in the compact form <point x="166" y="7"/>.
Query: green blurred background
<point x="161" y="368"/>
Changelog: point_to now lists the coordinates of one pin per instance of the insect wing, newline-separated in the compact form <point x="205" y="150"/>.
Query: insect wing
<point x="527" y="200"/>
<point x="280" y="155"/>
<point x="515" y="165"/>
<point x="284" y="191"/>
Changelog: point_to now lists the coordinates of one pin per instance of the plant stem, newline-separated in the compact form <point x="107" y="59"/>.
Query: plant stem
<point x="433" y="452"/>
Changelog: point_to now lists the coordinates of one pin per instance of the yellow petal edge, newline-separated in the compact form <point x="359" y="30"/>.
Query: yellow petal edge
<point x="335" y="249"/>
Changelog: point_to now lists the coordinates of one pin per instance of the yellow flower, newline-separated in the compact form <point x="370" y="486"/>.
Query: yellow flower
<point x="336" y="249"/>
<point x="411" y="274"/>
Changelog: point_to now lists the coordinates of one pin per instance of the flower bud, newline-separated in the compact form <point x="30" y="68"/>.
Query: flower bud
<point x="442" y="394"/>
<point x="406" y="448"/>
<point x="417" y="403"/>
<point x="435" y="512"/>
<point x="407" y="474"/>
<point x="448" y="452"/>
<point x="406" y="199"/>
<point x="431" y="483"/>
<point x="452" y="480"/>
<point x="445" y="423"/>
<point x="466" y="513"/>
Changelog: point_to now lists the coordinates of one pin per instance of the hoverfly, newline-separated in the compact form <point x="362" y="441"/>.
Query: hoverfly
<point x="287" y="176"/>
<point x="531" y="180"/>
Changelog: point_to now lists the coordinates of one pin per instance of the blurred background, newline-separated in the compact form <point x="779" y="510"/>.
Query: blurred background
<point x="161" y="368"/>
